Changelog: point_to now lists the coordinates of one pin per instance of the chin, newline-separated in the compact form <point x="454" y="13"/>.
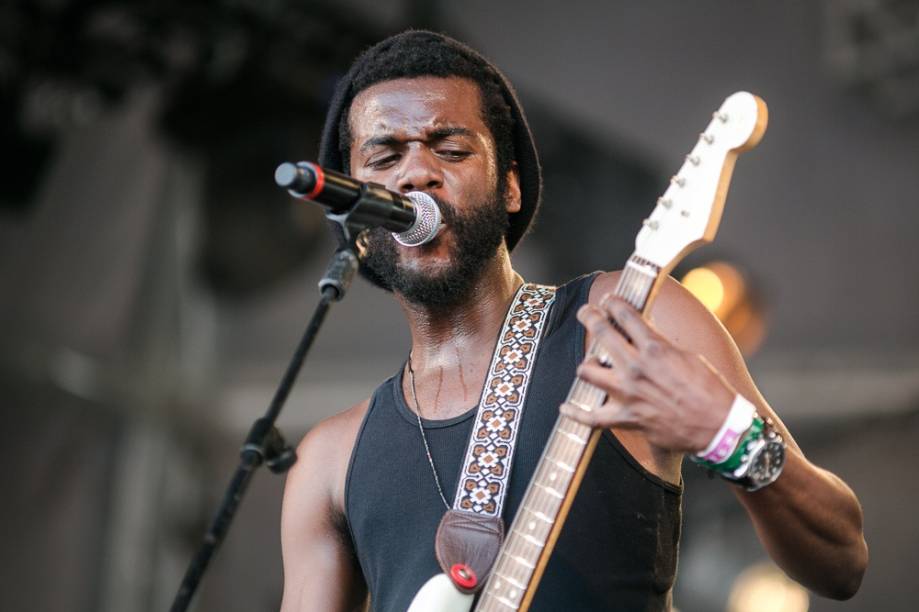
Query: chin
<point x="431" y="267"/>
<point x="435" y="254"/>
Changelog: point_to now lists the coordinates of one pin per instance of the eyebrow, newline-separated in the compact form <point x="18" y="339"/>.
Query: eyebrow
<point x="389" y="140"/>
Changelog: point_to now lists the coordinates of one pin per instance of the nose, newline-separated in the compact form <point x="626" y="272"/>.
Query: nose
<point x="420" y="171"/>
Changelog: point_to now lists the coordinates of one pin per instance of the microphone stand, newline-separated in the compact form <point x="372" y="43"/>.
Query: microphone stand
<point x="264" y="443"/>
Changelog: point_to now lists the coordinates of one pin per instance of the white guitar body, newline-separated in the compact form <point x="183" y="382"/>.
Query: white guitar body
<point x="439" y="595"/>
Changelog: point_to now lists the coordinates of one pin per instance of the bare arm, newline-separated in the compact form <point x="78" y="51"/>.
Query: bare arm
<point x="320" y="569"/>
<point x="674" y="386"/>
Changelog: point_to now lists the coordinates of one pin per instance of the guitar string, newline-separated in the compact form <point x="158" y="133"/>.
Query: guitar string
<point x="562" y="448"/>
<point x="559" y="449"/>
<point x="633" y="287"/>
<point x="566" y="450"/>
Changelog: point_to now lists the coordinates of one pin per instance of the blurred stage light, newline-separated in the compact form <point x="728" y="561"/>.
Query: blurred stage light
<point x="765" y="588"/>
<point x="706" y="286"/>
<point x="722" y="288"/>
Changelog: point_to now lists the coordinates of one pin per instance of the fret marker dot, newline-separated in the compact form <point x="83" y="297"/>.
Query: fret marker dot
<point x="552" y="476"/>
<point x="531" y="525"/>
<point x="512" y="593"/>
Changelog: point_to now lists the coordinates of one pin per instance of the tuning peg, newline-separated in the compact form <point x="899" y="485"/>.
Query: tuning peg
<point x="678" y="180"/>
<point x="650" y="223"/>
<point x="693" y="159"/>
<point x="722" y="117"/>
<point x="707" y="138"/>
<point x="665" y="202"/>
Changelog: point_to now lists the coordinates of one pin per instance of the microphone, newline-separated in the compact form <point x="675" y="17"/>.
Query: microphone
<point x="414" y="219"/>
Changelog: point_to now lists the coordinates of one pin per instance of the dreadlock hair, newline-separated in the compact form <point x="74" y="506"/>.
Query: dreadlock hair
<point x="417" y="54"/>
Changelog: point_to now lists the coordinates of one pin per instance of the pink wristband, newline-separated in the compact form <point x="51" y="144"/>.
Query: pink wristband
<point x="739" y="420"/>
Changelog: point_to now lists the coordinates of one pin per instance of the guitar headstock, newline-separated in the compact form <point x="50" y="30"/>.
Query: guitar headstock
<point x="688" y="213"/>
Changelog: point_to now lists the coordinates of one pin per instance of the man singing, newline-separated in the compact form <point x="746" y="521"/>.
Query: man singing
<point x="422" y="112"/>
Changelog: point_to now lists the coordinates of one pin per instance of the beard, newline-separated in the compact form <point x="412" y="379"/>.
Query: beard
<point x="477" y="234"/>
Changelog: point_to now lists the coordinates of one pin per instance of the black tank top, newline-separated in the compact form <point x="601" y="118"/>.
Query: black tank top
<point x="618" y="547"/>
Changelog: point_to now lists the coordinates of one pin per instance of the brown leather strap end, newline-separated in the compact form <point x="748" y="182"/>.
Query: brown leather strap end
<point x="471" y="540"/>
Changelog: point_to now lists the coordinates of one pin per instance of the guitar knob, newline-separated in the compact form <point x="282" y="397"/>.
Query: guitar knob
<point x="463" y="576"/>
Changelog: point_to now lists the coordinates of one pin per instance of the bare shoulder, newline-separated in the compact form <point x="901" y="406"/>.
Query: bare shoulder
<point x="689" y="325"/>
<point x="604" y="283"/>
<point x="324" y="452"/>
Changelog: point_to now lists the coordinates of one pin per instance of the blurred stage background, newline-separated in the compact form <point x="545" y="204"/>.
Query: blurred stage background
<point x="154" y="282"/>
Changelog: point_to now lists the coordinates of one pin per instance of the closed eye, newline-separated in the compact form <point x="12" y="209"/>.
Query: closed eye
<point x="453" y="154"/>
<point x="383" y="162"/>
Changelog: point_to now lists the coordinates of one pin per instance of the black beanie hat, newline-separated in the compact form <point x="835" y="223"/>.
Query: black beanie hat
<point x="525" y="154"/>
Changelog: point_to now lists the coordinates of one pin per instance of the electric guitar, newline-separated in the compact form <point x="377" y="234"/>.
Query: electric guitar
<point x="686" y="216"/>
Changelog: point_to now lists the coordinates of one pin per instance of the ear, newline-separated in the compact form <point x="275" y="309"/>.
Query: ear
<point x="512" y="200"/>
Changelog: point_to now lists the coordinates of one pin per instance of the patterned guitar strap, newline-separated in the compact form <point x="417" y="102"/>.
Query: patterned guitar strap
<point x="470" y="535"/>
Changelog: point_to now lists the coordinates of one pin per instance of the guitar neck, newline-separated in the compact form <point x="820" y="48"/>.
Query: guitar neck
<point x="558" y="475"/>
<point x="686" y="216"/>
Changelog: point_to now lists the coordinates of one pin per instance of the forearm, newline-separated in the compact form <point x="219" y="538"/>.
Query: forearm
<point x="810" y="522"/>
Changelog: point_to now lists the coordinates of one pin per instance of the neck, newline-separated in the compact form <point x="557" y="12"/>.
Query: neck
<point x="445" y="336"/>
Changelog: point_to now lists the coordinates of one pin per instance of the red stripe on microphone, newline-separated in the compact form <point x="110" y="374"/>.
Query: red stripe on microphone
<point x="320" y="181"/>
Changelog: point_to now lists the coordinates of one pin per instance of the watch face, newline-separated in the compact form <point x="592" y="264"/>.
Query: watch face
<point x="768" y="463"/>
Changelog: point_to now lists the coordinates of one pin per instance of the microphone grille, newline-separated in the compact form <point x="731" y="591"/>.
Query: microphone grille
<point x="427" y="221"/>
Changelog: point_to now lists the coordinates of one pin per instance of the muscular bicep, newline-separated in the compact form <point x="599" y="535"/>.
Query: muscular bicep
<point x="320" y="570"/>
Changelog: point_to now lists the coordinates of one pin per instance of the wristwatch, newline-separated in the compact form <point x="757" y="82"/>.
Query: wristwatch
<point x="762" y="461"/>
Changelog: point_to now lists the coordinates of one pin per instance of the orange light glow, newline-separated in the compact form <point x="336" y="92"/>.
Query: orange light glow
<point x="722" y="289"/>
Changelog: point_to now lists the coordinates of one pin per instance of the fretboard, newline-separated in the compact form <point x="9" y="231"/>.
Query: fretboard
<point x="558" y="474"/>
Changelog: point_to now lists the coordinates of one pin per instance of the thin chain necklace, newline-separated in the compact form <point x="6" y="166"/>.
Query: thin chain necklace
<point x="424" y="438"/>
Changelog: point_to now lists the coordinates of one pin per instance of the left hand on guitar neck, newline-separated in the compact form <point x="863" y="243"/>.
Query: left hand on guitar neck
<point x="673" y="396"/>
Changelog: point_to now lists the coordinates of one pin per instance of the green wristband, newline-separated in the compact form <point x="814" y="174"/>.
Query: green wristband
<point x="733" y="462"/>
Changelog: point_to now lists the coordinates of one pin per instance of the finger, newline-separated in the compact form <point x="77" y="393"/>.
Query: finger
<point x="609" y="414"/>
<point x="657" y="358"/>
<point x="597" y="323"/>
<point x="617" y="382"/>
<point x="630" y="320"/>
<point x="612" y="380"/>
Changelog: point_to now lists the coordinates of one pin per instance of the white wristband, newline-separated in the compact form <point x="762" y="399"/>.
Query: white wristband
<point x="739" y="420"/>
